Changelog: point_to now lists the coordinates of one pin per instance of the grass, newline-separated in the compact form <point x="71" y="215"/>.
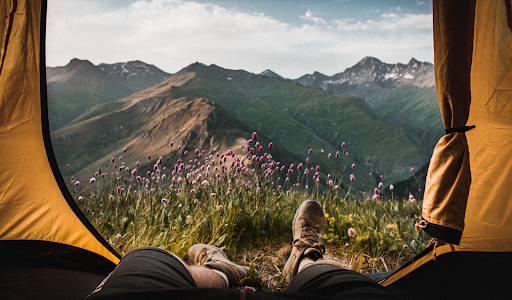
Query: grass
<point x="245" y="204"/>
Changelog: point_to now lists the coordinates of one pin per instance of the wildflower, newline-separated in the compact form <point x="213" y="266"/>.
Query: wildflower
<point x="352" y="178"/>
<point x="318" y="168"/>
<point x="323" y="152"/>
<point x="180" y="206"/>
<point x="155" y="167"/>
<point x="336" y="187"/>
<point x="370" y="174"/>
<point x="196" y="201"/>
<point x="68" y="165"/>
<point x="179" y="147"/>
<point x="192" y="191"/>
<point x="260" y="149"/>
<point x="92" y="180"/>
<point x="80" y="198"/>
<point x="353" y="166"/>
<point x="134" y="171"/>
<point x="165" y="200"/>
<point x="111" y="197"/>
<point x="346" y="154"/>
<point x="112" y="159"/>
<point x="118" y="236"/>
<point x="205" y="183"/>
<point x="213" y="195"/>
<point x="185" y="153"/>
<point x="352" y="232"/>
<point x="250" y="288"/>
<point x="347" y="245"/>
<point x="412" y="170"/>
<point x="381" y="176"/>
<point x="337" y="153"/>
<point x="124" y="150"/>
<point x="391" y="187"/>
<point x="197" y="151"/>
<point x="254" y="135"/>
<point x="220" y="207"/>
<point x="375" y="197"/>
<point x="380" y="185"/>
<point x="343" y="145"/>
<point x="270" y="145"/>
<point x="77" y="183"/>
<point x="163" y="177"/>
<point x="310" y="150"/>
<point x="137" y="164"/>
<point x="171" y="144"/>
<point x="376" y="191"/>
<point x="299" y="167"/>
<point x="411" y="198"/>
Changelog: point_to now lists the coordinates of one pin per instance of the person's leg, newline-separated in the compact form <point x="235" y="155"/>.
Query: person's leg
<point x="310" y="274"/>
<point x="215" y="260"/>
<point x="205" y="277"/>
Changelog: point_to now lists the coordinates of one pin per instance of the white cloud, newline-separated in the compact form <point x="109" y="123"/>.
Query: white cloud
<point x="174" y="33"/>
<point x="309" y="16"/>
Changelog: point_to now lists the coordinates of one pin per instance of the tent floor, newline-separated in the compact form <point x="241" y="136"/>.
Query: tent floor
<point x="46" y="283"/>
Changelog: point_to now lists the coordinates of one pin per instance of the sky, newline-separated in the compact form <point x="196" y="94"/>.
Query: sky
<point x="290" y="37"/>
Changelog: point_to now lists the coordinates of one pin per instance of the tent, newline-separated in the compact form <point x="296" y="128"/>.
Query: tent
<point x="51" y="251"/>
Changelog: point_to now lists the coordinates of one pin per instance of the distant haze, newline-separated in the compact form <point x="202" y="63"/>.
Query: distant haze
<point x="291" y="38"/>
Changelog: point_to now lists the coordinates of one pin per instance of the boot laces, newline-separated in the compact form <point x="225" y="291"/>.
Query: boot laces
<point x="310" y="238"/>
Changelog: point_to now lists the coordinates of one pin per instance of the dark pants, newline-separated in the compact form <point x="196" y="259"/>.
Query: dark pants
<point x="152" y="273"/>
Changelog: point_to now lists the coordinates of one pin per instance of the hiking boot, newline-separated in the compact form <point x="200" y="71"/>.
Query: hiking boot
<point x="307" y="229"/>
<point x="214" y="258"/>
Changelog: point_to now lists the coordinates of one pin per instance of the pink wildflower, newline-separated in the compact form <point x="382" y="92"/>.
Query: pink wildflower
<point x="77" y="183"/>
<point x="112" y="159"/>
<point x="343" y="145"/>
<point x="380" y="185"/>
<point x="353" y="166"/>
<point x="376" y="191"/>
<point x="270" y="145"/>
<point x="220" y="207"/>
<point x="254" y="135"/>
<point x="352" y="232"/>
<point x="124" y="150"/>
<point x="172" y="144"/>
<point x="213" y="195"/>
<point x="67" y="165"/>
<point x="310" y="150"/>
<point x="118" y="236"/>
<point x="165" y="200"/>
<point x="352" y="178"/>
<point x="375" y="197"/>
<point x="412" y="170"/>
<point x="92" y="180"/>
<point x="391" y="187"/>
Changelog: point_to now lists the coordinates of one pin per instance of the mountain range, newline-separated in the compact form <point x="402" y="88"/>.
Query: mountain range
<point x="208" y="107"/>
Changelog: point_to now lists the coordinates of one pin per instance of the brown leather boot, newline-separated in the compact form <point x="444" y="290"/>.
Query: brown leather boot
<point x="308" y="230"/>
<point x="214" y="258"/>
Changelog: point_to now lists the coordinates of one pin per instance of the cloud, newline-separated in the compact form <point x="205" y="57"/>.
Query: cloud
<point x="174" y="33"/>
<point x="308" y="16"/>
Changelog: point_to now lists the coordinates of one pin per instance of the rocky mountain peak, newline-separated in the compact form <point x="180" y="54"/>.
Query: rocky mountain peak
<point x="270" y="73"/>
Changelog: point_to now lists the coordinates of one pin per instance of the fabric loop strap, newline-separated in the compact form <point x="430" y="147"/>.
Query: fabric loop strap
<point x="459" y="129"/>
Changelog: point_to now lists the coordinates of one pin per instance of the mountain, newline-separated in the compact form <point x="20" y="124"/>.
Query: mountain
<point x="80" y="85"/>
<point x="401" y="95"/>
<point x="300" y="117"/>
<point x="136" y="75"/>
<point x="145" y="123"/>
<point x="271" y="73"/>
<point x="208" y="106"/>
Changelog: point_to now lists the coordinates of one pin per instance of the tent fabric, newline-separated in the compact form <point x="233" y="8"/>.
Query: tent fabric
<point x="449" y="176"/>
<point x="489" y="208"/>
<point x="484" y="254"/>
<point x="32" y="204"/>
